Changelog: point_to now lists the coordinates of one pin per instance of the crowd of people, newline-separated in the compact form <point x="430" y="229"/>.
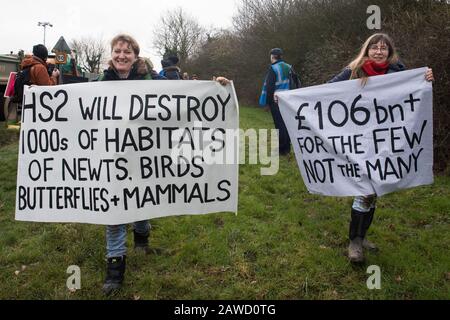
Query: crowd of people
<point x="125" y="64"/>
<point x="378" y="56"/>
<point x="44" y="72"/>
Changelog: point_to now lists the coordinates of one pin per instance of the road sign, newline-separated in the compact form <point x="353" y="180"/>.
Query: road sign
<point x="61" y="58"/>
<point x="61" y="46"/>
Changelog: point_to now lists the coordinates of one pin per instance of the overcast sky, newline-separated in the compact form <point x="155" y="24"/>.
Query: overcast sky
<point x="19" y="20"/>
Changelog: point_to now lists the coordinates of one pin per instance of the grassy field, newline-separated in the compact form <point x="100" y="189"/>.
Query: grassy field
<point x="284" y="244"/>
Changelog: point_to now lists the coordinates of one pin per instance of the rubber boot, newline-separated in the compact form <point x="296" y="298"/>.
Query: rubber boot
<point x="357" y="232"/>
<point x="368" y="245"/>
<point x="141" y="241"/>
<point x="355" y="250"/>
<point x="115" y="270"/>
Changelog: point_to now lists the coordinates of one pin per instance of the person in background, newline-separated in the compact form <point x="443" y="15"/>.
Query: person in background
<point x="39" y="75"/>
<point x="34" y="71"/>
<point x="277" y="79"/>
<point x="170" y="69"/>
<point x="377" y="56"/>
<point x="149" y="63"/>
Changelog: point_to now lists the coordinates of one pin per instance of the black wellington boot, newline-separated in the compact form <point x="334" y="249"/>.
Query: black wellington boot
<point x="115" y="270"/>
<point x="357" y="233"/>
<point x="141" y="241"/>
<point x="367" y="222"/>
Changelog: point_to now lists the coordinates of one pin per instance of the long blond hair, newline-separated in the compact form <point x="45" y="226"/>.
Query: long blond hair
<point x="361" y="58"/>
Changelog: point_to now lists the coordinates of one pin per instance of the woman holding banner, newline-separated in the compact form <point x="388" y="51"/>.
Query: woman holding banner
<point x="125" y="64"/>
<point x="378" y="56"/>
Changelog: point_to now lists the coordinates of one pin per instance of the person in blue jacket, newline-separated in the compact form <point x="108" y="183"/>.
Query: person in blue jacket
<point x="378" y="56"/>
<point x="277" y="79"/>
<point x="170" y="69"/>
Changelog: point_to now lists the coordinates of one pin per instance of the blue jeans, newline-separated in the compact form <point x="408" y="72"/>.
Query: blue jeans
<point x="364" y="203"/>
<point x="116" y="237"/>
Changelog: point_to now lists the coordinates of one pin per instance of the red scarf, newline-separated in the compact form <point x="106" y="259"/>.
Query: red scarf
<point x="375" y="69"/>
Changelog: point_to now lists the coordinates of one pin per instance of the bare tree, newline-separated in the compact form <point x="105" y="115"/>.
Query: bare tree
<point x="178" y="33"/>
<point x="90" y="53"/>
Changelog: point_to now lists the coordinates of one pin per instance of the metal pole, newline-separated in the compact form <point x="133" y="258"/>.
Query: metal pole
<point x="45" y="24"/>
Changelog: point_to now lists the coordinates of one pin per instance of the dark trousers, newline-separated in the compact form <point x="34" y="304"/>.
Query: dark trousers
<point x="284" y="143"/>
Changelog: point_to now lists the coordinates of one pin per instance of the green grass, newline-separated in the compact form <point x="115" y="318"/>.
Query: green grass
<point x="284" y="244"/>
<point x="7" y="136"/>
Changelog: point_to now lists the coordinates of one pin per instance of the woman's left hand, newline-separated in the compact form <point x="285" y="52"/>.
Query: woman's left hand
<point x="222" y="80"/>
<point x="429" y="75"/>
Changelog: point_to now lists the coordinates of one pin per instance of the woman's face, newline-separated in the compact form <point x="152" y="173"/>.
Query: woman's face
<point x="378" y="52"/>
<point x="123" y="57"/>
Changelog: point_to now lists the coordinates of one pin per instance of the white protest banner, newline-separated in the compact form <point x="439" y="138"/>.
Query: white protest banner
<point x="123" y="151"/>
<point x="354" y="140"/>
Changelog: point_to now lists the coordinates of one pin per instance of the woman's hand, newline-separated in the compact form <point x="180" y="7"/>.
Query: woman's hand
<point x="275" y="98"/>
<point x="55" y="74"/>
<point x="223" y="81"/>
<point x="429" y="75"/>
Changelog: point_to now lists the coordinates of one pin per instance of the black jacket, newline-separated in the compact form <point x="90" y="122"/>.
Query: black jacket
<point x="347" y="72"/>
<point x="139" y="71"/>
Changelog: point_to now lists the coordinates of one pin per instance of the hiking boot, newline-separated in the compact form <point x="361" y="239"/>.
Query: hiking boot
<point x="355" y="250"/>
<point x="115" y="270"/>
<point x="141" y="241"/>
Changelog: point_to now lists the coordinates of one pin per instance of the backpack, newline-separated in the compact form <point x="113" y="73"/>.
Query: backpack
<point x="23" y="78"/>
<point x="294" y="79"/>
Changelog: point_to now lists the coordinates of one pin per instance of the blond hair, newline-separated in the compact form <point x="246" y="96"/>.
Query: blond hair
<point x="357" y="63"/>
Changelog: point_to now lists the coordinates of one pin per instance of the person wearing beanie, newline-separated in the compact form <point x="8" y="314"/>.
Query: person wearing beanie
<point x="39" y="69"/>
<point x="170" y="69"/>
<point x="277" y="79"/>
<point x="173" y="59"/>
<point x="40" y="51"/>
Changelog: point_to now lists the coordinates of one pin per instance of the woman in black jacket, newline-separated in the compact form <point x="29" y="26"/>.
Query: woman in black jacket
<point x="126" y="64"/>
<point x="378" y="56"/>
